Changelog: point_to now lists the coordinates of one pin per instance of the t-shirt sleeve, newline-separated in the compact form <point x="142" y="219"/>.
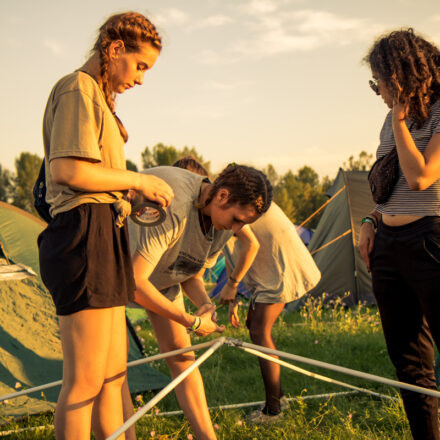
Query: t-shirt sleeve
<point x="154" y="241"/>
<point x="76" y="127"/>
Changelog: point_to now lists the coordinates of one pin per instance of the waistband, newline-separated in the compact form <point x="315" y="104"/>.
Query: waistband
<point x="415" y="226"/>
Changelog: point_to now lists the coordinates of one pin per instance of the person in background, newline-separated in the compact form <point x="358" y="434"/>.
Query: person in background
<point x="200" y="220"/>
<point x="84" y="256"/>
<point x="278" y="269"/>
<point x="400" y="240"/>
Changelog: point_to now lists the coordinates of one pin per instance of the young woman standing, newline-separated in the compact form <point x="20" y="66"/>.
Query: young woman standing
<point x="400" y="239"/>
<point x="84" y="256"/>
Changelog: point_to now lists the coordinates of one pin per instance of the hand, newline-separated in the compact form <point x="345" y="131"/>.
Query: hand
<point x="228" y="294"/>
<point x="366" y="241"/>
<point x="400" y="112"/>
<point x="233" y="315"/>
<point x="205" y="308"/>
<point x="155" y="189"/>
<point x="207" y="325"/>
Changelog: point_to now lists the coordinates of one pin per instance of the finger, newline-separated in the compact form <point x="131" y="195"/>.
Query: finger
<point x="220" y="329"/>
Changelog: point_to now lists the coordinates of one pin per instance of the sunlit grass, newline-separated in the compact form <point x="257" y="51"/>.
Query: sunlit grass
<point x="347" y="337"/>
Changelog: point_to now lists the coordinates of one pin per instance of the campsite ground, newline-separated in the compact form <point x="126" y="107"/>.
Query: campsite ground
<point x="351" y="338"/>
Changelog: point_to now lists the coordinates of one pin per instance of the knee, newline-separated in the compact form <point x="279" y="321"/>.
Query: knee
<point x="257" y="335"/>
<point x="178" y="364"/>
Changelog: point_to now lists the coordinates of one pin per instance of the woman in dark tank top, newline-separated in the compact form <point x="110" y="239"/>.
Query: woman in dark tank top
<point x="400" y="239"/>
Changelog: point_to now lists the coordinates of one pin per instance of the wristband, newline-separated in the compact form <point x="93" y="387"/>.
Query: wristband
<point x="196" y="324"/>
<point x="233" y="280"/>
<point x="369" y="220"/>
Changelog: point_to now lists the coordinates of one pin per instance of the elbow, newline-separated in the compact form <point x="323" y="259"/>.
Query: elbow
<point x="62" y="171"/>
<point x="418" y="184"/>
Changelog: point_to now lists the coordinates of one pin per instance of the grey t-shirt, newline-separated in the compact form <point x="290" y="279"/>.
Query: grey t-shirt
<point x="283" y="269"/>
<point x="178" y="248"/>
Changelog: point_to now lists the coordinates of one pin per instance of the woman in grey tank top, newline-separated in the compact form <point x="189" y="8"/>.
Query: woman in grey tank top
<point x="400" y="239"/>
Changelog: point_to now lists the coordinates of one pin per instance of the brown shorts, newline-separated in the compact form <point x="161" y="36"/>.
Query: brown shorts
<point x="85" y="259"/>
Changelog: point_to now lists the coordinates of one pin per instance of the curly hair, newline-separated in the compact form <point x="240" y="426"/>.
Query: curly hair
<point x="133" y="29"/>
<point x="410" y="67"/>
<point x="246" y="186"/>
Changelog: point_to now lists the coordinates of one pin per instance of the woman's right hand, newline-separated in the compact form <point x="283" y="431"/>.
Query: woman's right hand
<point x="155" y="189"/>
<point x="208" y="325"/>
<point x="233" y="315"/>
<point x="366" y="241"/>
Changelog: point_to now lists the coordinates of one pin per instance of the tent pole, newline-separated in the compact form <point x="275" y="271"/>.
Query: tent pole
<point x="321" y="207"/>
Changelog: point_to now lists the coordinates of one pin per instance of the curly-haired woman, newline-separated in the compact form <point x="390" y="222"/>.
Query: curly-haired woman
<point x="84" y="253"/>
<point x="400" y="239"/>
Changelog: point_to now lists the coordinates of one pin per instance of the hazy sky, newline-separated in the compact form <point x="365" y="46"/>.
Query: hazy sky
<point x="255" y="81"/>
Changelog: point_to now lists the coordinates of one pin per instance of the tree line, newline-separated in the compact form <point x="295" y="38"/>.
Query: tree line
<point x="298" y="194"/>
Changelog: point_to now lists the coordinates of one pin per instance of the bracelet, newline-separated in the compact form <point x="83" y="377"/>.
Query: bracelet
<point x="196" y="324"/>
<point x="233" y="280"/>
<point x="369" y="220"/>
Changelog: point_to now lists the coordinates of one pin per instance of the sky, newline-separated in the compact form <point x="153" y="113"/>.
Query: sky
<point x="245" y="81"/>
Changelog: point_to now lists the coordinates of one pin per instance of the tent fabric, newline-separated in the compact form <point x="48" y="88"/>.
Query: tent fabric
<point x="305" y="234"/>
<point x="30" y="348"/>
<point x="341" y="265"/>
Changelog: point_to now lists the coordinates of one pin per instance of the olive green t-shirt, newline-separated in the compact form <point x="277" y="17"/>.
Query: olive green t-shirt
<point x="78" y="123"/>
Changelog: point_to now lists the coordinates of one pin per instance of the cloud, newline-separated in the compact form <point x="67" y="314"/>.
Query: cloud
<point x="214" y="21"/>
<point x="171" y="16"/>
<point x="303" y="30"/>
<point x="55" y="47"/>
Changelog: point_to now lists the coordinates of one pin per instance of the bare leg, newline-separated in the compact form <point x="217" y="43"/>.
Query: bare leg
<point x="260" y="322"/>
<point x="190" y="393"/>
<point x="107" y="409"/>
<point x="86" y="338"/>
<point x="127" y="405"/>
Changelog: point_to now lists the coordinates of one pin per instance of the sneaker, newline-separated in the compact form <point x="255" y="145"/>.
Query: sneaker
<point x="258" y="416"/>
<point x="284" y="403"/>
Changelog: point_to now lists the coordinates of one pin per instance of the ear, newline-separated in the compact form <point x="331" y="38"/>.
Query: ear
<point x="116" y="48"/>
<point x="222" y="196"/>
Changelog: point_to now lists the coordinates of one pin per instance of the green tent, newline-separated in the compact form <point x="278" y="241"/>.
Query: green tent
<point x="334" y="242"/>
<point x="30" y="349"/>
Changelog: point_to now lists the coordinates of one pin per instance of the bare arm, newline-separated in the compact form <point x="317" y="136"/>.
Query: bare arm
<point x="249" y="250"/>
<point x="149" y="297"/>
<point x="421" y="170"/>
<point x="85" y="175"/>
<point x="195" y="290"/>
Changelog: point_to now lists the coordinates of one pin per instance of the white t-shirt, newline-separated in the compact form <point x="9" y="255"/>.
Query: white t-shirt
<point x="283" y="269"/>
<point x="178" y="248"/>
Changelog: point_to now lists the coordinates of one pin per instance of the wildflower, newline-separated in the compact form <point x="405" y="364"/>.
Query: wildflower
<point x="138" y="328"/>
<point x="142" y="340"/>
<point x="17" y="385"/>
<point x="216" y="426"/>
<point x="240" y="303"/>
<point x="156" y="411"/>
<point x="239" y="422"/>
<point x="152" y="433"/>
<point x="138" y="398"/>
<point x="190" y="437"/>
<point x="350" y="416"/>
<point x="6" y="401"/>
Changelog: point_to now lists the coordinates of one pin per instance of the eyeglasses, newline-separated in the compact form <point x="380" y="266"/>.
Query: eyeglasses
<point x="374" y="84"/>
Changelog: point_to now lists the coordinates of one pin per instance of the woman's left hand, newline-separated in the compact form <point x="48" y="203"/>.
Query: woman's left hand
<point x="205" y="308"/>
<point x="400" y="112"/>
<point x="228" y="294"/>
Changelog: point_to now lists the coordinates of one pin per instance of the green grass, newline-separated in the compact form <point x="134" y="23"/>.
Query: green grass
<point x="351" y="338"/>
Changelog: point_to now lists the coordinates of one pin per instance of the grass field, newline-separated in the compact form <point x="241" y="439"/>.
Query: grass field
<point x="351" y="338"/>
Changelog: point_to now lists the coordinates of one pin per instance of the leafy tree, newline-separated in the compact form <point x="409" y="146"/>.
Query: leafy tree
<point x="300" y="195"/>
<point x="6" y="187"/>
<point x="131" y="165"/>
<point x="27" y="166"/>
<point x="362" y="163"/>
<point x="162" y="154"/>
<point x="272" y="175"/>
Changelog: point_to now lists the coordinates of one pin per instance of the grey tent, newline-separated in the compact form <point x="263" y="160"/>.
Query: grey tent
<point x="333" y="244"/>
<point x="30" y="349"/>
